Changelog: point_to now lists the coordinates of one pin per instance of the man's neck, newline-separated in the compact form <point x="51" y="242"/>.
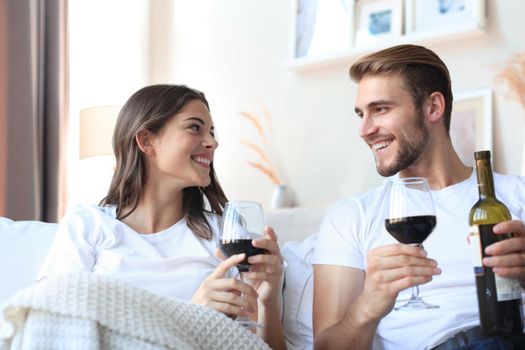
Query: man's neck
<point x="441" y="166"/>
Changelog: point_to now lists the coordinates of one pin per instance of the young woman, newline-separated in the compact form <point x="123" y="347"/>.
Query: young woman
<point x="157" y="227"/>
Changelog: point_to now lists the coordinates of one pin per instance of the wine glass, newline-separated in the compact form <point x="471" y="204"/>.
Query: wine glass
<point x="243" y="221"/>
<point x="411" y="218"/>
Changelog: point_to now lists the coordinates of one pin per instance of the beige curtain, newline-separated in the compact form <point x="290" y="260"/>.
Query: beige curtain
<point x="36" y="109"/>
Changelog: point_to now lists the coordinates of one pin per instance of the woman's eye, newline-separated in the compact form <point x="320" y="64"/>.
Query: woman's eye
<point x="195" y="127"/>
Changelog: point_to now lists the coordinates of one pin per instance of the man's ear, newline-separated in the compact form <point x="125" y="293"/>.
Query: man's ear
<point x="144" y="139"/>
<point x="435" y="107"/>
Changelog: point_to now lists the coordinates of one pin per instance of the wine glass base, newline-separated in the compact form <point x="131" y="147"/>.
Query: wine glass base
<point x="247" y="323"/>
<point x="416" y="304"/>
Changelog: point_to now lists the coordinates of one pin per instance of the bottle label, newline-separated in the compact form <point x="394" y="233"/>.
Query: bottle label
<point x="475" y="251"/>
<point x="507" y="288"/>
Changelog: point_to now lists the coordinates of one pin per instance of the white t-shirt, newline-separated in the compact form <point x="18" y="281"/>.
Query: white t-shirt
<point x="172" y="263"/>
<point x="356" y="225"/>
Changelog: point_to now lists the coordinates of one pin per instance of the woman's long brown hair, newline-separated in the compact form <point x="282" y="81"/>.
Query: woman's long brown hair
<point x="149" y="109"/>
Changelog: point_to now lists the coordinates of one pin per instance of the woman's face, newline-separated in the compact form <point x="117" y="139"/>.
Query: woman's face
<point x="184" y="147"/>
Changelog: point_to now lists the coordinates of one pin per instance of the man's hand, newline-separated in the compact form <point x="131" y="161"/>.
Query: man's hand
<point x="391" y="269"/>
<point x="508" y="256"/>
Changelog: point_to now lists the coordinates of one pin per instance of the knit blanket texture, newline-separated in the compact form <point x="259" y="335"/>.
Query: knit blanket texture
<point x="89" y="311"/>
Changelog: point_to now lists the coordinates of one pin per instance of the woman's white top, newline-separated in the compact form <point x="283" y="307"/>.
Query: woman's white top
<point x="173" y="262"/>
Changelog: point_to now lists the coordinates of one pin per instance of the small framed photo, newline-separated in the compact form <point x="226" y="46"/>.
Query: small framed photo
<point x="429" y="15"/>
<point x="471" y="124"/>
<point x="378" y="20"/>
<point x="322" y="28"/>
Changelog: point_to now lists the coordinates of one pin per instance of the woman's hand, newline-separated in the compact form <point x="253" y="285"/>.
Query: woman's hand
<point x="224" y="294"/>
<point x="267" y="269"/>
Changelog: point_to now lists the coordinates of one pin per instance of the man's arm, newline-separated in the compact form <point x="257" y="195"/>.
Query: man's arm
<point x="335" y="289"/>
<point x="349" y="303"/>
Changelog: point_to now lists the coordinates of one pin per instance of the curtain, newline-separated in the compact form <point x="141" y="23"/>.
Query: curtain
<point x="36" y="109"/>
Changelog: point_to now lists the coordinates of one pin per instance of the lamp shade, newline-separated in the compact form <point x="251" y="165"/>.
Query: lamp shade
<point x="96" y="130"/>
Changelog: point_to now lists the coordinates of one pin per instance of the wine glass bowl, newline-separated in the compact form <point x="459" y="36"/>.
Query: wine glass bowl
<point x="243" y="221"/>
<point x="411" y="218"/>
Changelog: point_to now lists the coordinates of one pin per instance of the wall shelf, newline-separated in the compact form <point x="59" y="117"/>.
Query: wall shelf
<point x="429" y="37"/>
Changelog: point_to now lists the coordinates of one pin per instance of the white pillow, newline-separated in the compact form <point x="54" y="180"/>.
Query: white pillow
<point x="23" y="247"/>
<point x="298" y="293"/>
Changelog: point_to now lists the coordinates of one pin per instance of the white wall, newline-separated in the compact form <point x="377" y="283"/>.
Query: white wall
<point x="109" y="60"/>
<point x="234" y="50"/>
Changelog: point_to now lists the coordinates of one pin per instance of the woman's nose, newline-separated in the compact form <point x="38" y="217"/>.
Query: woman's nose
<point x="210" y="142"/>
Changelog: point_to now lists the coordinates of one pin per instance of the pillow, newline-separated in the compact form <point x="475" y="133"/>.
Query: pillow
<point x="23" y="248"/>
<point x="298" y="293"/>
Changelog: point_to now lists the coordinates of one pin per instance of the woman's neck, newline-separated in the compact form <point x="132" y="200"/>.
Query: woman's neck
<point x="157" y="210"/>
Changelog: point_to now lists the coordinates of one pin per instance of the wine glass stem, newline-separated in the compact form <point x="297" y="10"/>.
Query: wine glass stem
<point x="415" y="292"/>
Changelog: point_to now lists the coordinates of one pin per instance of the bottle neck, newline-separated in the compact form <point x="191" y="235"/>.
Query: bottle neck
<point x="485" y="178"/>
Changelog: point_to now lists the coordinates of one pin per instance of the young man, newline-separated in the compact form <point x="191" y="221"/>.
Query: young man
<point x="404" y="101"/>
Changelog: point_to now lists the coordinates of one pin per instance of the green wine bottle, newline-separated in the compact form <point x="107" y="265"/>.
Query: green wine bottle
<point x="499" y="298"/>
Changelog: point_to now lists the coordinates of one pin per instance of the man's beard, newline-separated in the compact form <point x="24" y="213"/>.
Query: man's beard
<point x="409" y="151"/>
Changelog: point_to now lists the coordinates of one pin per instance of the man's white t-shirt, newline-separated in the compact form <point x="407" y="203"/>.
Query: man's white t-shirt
<point x="172" y="263"/>
<point x="357" y="224"/>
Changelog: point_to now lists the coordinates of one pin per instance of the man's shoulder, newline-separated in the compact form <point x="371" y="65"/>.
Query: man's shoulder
<point x="361" y="199"/>
<point x="509" y="183"/>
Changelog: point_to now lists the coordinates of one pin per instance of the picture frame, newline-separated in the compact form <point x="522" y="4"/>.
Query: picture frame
<point x="435" y="15"/>
<point x="321" y="28"/>
<point x="378" y="21"/>
<point x="471" y="123"/>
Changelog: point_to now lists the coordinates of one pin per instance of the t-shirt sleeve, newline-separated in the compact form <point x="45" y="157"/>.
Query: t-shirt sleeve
<point x="339" y="241"/>
<point x="73" y="248"/>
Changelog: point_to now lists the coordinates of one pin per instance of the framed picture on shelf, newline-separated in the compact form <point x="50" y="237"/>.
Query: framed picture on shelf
<point x="471" y="123"/>
<point x="377" y="21"/>
<point x="321" y="28"/>
<point x="431" y="15"/>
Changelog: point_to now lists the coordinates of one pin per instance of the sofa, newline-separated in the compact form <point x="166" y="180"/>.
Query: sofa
<point x="24" y="245"/>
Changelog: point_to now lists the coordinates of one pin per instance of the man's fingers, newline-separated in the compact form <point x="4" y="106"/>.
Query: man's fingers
<point x="506" y="246"/>
<point x="512" y="226"/>
<point x="509" y="260"/>
<point x="392" y="262"/>
<point x="393" y="275"/>
<point x="398" y="249"/>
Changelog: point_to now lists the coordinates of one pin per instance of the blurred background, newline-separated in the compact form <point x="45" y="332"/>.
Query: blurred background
<point x="67" y="66"/>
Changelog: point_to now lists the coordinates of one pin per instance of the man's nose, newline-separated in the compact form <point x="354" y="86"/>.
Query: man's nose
<point x="367" y="126"/>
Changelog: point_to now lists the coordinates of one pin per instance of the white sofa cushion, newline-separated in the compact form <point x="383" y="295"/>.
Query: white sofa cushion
<point x="23" y="247"/>
<point x="298" y="293"/>
<point x="295" y="224"/>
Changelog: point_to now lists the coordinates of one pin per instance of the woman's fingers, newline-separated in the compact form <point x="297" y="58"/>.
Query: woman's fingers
<point x="225" y="265"/>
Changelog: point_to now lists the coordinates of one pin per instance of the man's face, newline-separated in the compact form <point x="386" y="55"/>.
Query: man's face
<point x="391" y="124"/>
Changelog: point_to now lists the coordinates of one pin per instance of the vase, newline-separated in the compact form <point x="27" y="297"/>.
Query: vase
<point x="281" y="197"/>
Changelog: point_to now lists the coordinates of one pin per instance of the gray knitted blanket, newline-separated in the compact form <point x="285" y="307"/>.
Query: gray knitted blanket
<point x="88" y="311"/>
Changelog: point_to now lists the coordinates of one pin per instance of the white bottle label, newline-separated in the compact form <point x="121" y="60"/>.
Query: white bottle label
<point x="475" y="251"/>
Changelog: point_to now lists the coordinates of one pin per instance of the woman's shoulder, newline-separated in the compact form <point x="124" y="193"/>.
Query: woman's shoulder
<point x="87" y="212"/>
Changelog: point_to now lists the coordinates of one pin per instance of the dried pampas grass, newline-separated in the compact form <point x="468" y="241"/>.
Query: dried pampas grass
<point x="512" y="74"/>
<point x="265" y="164"/>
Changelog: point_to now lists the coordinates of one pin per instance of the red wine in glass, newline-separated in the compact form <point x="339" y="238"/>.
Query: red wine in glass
<point x="240" y="246"/>
<point x="243" y="222"/>
<point x="411" y="219"/>
<point x="411" y="229"/>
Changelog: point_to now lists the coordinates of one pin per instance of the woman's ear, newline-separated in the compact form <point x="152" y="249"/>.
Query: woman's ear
<point x="435" y="107"/>
<point x="144" y="139"/>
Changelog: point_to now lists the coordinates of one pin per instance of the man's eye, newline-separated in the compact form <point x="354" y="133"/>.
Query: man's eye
<point x="381" y="109"/>
<point x="359" y="115"/>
